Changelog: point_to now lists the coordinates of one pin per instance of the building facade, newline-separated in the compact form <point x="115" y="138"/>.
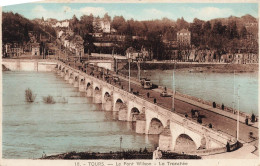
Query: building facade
<point x="184" y="37"/>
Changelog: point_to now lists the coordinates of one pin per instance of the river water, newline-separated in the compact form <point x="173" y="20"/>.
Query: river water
<point x="218" y="87"/>
<point x="79" y="125"/>
<point x="74" y="125"/>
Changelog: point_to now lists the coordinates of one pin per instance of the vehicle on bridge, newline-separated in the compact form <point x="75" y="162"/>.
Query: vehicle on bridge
<point x="165" y="94"/>
<point x="146" y="83"/>
<point x="116" y="78"/>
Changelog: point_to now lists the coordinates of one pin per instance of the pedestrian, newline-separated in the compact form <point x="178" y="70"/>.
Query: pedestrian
<point x="246" y="121"/>
<point x="157" y="154"/>
<point x="192" y="113"/>
<point x="228" y="147"/>
<point x="154" y="100"/>
<point x="214" y="104"/>
<point x="148" y="94"/>
<point x="222" y="106"/>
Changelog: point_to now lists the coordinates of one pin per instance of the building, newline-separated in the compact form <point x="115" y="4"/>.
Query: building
<point x="184" y="37"/>
<point x="131" y="53"/>
<point x="63" y="24"/>
<point x="102" y="26"/>
<point x="35" y="49"/>
<point x="105" y="26"/>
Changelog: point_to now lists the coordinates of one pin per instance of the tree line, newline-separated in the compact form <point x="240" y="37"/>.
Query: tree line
<point x="223" y="35"/>
<point x="16" y="28"/>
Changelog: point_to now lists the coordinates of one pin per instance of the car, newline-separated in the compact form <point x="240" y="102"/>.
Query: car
<point x="116" y="79"/>
<point x="146" y="83"/>
<point x="164" y="94"/>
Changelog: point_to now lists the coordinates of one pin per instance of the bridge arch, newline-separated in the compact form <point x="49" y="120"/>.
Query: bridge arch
<point x="184" y="142"/>
<point x="182" y="135"/>
<point x="88" y="85"/>
<point x="71" y="75"/>
<point x="106" y="95"/>
<point x="97" y="88"/>
<point x="118" y="103"/>
<point x="107" y="102"/>
<point x="134" y="112"/>
<point x="155" y="126"/>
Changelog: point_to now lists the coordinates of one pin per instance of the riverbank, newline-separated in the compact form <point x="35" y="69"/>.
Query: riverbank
<point x="196" y="67"/>
<point x="128" y="155"/>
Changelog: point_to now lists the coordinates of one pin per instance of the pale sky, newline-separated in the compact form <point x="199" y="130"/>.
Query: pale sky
<point x="137" y="11"/>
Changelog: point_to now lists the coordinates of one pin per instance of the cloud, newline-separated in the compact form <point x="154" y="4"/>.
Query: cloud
<point x="66" y="12"/>
<point x="39" y="8"/>
<point x="207" y="13"/>
<point x="96" y="11"/>
<point x="155" y="14"/>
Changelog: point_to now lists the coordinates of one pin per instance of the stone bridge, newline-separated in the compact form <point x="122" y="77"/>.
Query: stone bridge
<point x="149" y="117"/>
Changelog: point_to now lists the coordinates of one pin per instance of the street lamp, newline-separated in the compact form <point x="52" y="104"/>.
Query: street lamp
<point x="173" y="90"/>
<point x="120" y="142"/>
<point x="129" y="60"/>
<point x="238" y="97"/>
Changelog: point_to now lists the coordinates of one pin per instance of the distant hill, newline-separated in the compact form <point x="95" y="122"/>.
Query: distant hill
<point x="250" y="22"/>
<point x="16" y="28"/>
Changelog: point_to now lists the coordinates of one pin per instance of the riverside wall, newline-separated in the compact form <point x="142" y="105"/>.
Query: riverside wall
<point x="41" y="65"/>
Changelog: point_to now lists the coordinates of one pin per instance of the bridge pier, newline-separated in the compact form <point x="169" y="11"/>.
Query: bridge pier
<point x="165" y="139"/>
<point x="71" y="80"/>
<point x="89" y="90"/>
<point x="58" y="72"/>
<point x="62" y="74"/>
<point x="140" y="124"/>
<point x="76" y="82"/>
<point x="82" y="86"/>
<point x="107" y="105"/>
<point x="122" y="114"/>
<point x="66" y="77"/>
<point x="97" y="96"/>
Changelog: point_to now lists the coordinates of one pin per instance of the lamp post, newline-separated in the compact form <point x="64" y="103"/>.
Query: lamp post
<point x="129" y="60"/>
<point x="139" y="73"/>
<point x="173" y="90"/>
<point x="120" y="144"/>
<point x="238" y="97"/>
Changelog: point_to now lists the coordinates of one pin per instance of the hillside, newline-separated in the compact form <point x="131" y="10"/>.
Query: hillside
<point x="15" y="28"/>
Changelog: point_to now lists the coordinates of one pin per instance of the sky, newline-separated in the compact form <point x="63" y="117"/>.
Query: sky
<point x="137" y="11"/>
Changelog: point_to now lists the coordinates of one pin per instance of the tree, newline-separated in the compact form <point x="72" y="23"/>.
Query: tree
<point x="182" y="24"/>
<point x="119" y="24"/>
<point x="107" y="17"/>
<point x="86" y="24"/>
<point x="243" y="33"/>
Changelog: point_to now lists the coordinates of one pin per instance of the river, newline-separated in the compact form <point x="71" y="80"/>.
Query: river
<point x="29" y="129"/>
<point x="218" y="87"/>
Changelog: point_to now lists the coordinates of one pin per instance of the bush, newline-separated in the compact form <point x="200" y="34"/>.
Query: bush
<point x="48" y="100"/>
<point x="29" y="96"/>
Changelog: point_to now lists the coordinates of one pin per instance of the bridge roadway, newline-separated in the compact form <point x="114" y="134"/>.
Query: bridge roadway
<point x="220" y="123"/>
